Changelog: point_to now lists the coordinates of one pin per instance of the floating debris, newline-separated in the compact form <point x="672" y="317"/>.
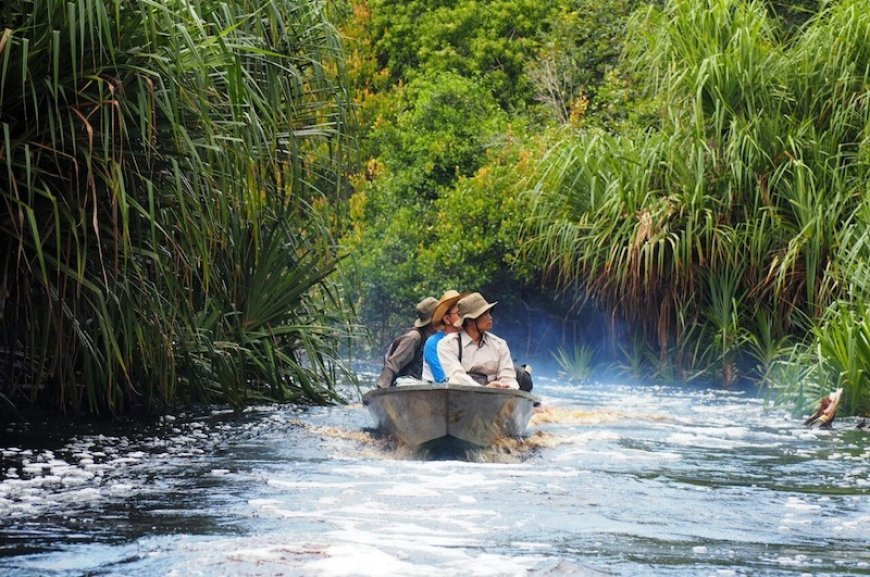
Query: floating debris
<point x="828" y="406"/>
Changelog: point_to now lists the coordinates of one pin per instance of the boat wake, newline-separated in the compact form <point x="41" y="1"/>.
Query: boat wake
<point x="569" y="416"/>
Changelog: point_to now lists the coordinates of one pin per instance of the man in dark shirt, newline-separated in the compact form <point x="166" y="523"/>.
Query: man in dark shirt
<point x="405" y="357"/>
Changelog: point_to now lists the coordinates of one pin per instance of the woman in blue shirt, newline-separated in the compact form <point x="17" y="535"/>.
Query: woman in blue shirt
<point x="442" y="320"/>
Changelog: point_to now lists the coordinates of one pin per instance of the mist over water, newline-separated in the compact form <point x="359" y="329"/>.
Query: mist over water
<point x="610" y="480"/>
<point x="536" y="326"/>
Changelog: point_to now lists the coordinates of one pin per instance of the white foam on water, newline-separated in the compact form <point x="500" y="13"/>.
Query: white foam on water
<point x="265" y="502"/>
<point x="706" y="441"/>
<point x="458" y="480"/>
<point x="526" y="545"/>
<point x="119" y="461"/>
<point x="80" y="495"/>
<point x="120" y="489"/>
<point x="796" y="522"/>
<point x="637" y="455"/>
<point x="76" y="479"/>
<point x="442" y="533"/>
<point x="602" y="434"/>
<point x="410" y="490"/>
<point x="801" y="505"/>
<point x="345" y="560"/>
<point x="798" y="560"/>
<point x="97" y="469"/>
<point x="256" y="555"/>
<point x="811" y="434"/>
<point x="611" y="453"/>
<point x="854" y="528"/>
<point x="383" y="511"/>
<point x="360" y="471"/>
<point x="93" y="468"/>
<point x="292" y="485"/>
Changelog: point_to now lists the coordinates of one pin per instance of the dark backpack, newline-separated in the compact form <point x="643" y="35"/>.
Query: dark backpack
<point x="414" y="368"/>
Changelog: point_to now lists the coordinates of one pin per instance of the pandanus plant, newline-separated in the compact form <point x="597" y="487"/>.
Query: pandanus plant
<point x="169" y="172"/>
<point x="721" y="231"/>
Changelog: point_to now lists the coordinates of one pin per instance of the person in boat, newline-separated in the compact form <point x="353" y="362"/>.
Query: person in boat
<point x="442" y="320"/>
<point x="404" y="358"/>
<point x="475" y="356"/>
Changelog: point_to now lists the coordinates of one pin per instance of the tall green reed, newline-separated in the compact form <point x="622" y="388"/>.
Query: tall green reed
<point x="722" y="225"/>
<point x="168" y="173"/>
<point x="843" y="342"/>
<point x="576" y="365"/>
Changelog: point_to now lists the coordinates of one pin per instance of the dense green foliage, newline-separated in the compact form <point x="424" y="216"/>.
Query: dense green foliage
<point x="399" y="220"/>
<point x="168" y="171"/>
<point x="730" y="226"/>
<point x="487" y="40"/>
<point x="177" y="174"/>
<point x="453" y="102"/>
<point x="697" y="168"/>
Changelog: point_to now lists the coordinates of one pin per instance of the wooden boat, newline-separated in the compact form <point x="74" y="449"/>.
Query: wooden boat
<point x="458" y="416"/>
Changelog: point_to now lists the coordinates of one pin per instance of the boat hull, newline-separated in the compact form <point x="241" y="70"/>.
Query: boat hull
<point x="475" y="416"/>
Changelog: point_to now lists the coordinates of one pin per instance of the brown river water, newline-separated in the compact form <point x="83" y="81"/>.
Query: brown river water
<point x="611" y="479"/>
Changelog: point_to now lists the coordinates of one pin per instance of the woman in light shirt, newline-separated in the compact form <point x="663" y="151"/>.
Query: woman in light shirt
<point x="475" y="356"/>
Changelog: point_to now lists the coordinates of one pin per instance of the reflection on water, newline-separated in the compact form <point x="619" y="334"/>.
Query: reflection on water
<point x="610" y="480"/>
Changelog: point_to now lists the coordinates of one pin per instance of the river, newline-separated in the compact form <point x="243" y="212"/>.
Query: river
<point x="611" y="480"/>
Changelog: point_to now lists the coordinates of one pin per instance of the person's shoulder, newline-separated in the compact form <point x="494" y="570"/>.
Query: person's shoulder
<point x="451" y="337"/>
<point x="435" y="338"/>
<point x="448" y="339"/>
<point x="412" y="336"/>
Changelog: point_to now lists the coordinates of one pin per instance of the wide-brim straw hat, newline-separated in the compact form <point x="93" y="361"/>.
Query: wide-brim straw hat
<point x="445" y="303"/>
<point x="471" y="307"/>
<point x="425" y="310"/>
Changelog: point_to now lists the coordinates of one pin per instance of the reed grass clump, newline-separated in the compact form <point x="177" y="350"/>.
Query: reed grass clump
<point x="576" y="365"/>
<point x="167" y="176"/>
<point x="724" y="234"/>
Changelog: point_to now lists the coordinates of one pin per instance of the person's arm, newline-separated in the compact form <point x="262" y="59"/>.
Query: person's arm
<point x="448" y="355"/>
<point x="401" y="356"/>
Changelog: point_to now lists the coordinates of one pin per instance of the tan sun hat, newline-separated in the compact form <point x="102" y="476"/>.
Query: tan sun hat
<point x="425" y="308"/>
<point x="471" y="307"/>
<point x="447" y="300"/>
